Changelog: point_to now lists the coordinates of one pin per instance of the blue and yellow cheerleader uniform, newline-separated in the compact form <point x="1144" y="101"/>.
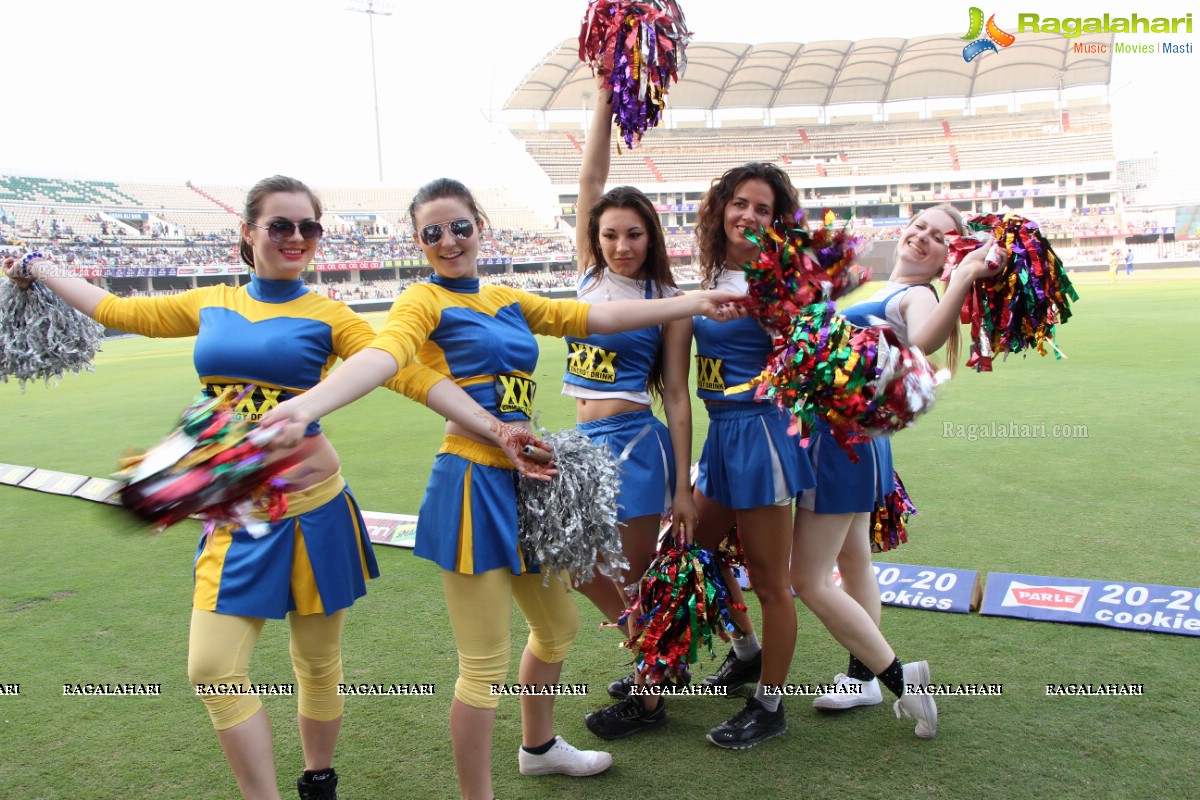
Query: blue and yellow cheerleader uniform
<point x="606" y="366"/>
<point x="481" y="337"/>
<point x="844" y="486"/>
<point x="283" y="339"/>
<point x="749" y="459"/>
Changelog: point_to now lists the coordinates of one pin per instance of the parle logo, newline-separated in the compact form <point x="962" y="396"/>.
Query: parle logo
<point x="994" y="38"/>
<point x="1059" y="598"/>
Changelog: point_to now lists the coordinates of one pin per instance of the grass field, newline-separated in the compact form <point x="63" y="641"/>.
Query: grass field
<point x="86" y="595"/>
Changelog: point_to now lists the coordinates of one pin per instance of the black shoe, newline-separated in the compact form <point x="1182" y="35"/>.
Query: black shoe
<point x="750" y="726"/>
<point x="734" y="672"/>
<point x="323" y="788"/>
<point x="619" y="690"/>
<point x="625" y="719"/>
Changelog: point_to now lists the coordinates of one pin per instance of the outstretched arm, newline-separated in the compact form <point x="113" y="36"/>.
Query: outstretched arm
<point x="78" y="293"/>
<point x="357" y="376"/>
<point x="630" y="315"/>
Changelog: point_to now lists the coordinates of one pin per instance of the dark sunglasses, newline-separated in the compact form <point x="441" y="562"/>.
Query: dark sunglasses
<point x="461" y="228"/>
<point x="282" y="229"/>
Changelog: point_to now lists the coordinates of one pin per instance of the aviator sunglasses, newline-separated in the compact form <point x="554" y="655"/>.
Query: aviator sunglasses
<point x="461" y="228"/>
<point x="282" y="229"/>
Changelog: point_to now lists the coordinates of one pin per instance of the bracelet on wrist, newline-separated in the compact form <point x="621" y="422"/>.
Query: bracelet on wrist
<point x="24" y="271"/>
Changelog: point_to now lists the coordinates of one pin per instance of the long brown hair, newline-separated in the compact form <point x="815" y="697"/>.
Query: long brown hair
<point x="258" y="195"/>
<point x="710" y="219"/>
<point x="656" y="268"/>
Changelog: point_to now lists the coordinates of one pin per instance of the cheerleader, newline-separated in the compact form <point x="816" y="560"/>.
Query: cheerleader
<point x="623" y="255"/>
<point x="314" y="563"/>
<point x="482" y="337"/>
<point x="833" y="520"/>
<point x="750" y="467"/>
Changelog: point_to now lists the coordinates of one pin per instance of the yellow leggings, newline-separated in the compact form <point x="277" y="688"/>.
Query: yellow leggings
<point x="219" y="650"/>
<point x="480" y="608"/>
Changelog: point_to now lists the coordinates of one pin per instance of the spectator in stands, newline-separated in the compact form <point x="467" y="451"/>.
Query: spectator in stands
<point x="312" y="564"/>
<point x="833" y="520"/>
<point x="751" y="466"/>
<point x="623" y="255"/>
<point x="467" y="523"/>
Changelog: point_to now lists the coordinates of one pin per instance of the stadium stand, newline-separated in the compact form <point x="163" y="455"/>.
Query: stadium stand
<point x="850" y="121"/>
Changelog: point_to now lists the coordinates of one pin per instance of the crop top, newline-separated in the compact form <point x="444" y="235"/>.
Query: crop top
<point x="613" y="365"/>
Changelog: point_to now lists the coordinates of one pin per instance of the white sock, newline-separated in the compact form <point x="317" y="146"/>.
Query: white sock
<point x="769" y="701"/>
<point x="746" y="647"/>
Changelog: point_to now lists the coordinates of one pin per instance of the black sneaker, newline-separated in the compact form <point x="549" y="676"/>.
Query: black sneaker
<point x="619" y="690"/>
<point x="750" y="726"/>
<point x="625" y="719"/>
<point x="734" y="672"/>
<point x="323" y="788"/>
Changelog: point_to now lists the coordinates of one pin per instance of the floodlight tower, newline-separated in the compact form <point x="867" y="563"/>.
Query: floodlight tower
<point x="373" y="9"/>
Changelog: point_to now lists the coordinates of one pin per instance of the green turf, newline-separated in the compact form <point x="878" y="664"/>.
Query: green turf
<point x="87" y="595"/>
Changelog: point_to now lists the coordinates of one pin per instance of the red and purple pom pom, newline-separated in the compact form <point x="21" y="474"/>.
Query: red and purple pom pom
<point x="640" y="47"/>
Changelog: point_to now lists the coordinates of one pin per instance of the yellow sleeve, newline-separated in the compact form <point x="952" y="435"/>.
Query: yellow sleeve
<point x="415" y="381"/>
<point x="553" y="317"/>
<point x="413" y="317"/>
<point x="352" y="333"/>
<point x="163" y="317"/>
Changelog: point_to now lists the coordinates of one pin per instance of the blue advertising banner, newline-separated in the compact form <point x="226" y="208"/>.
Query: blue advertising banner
<point x="1113" y="604"/>
<point x="954" y="591"/>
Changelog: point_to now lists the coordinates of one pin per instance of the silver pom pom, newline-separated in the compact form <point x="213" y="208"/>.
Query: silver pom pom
<point x="570" y="523"/>
<point x="43" y="337"/>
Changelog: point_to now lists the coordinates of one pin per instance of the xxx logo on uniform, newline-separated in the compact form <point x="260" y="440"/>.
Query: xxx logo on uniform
<point x="593" y="363"/>
<point x="708" y="374"/>
<point x="995" y="36"/>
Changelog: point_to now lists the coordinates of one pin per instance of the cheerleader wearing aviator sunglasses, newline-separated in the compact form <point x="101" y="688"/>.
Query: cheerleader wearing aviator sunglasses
<point x="281" y="230"/>
<point x="461" y="228"/>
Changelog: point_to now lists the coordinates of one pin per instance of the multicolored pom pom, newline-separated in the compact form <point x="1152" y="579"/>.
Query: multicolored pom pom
<point x="682" y="602"/>
<point x="1017" y="309"/>
<point x="212" y="465"/>
<point x="796" y="268"/>
<point x="569" y="524"/>
<point x="640" y="47"/>
<point x="889" y="519"/>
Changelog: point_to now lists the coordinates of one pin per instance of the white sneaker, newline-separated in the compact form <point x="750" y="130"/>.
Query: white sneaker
<point x="850" y="693"/>
<point x="917" y="704"/>
<point x="563" y="759"/>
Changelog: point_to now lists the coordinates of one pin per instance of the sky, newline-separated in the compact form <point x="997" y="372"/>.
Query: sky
<point x="227" y="91"/>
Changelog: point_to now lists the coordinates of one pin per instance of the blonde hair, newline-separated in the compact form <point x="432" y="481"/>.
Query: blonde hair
<point x="954" y="341"/>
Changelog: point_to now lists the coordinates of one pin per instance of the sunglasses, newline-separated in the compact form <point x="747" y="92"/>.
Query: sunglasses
<point x="461" y="228"/>
<point x="282" y="229"/>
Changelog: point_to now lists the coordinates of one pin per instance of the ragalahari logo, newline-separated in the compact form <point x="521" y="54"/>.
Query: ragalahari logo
<point x="994" y="36"/>
<point x="1058" y="598"/>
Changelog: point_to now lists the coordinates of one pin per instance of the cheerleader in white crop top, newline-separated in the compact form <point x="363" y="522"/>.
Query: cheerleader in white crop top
<point x="613" y="378"/>
<point x="833" y="523"/>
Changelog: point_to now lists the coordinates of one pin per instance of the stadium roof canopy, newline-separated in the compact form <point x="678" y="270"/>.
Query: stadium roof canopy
<point x="725" y="75"/>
